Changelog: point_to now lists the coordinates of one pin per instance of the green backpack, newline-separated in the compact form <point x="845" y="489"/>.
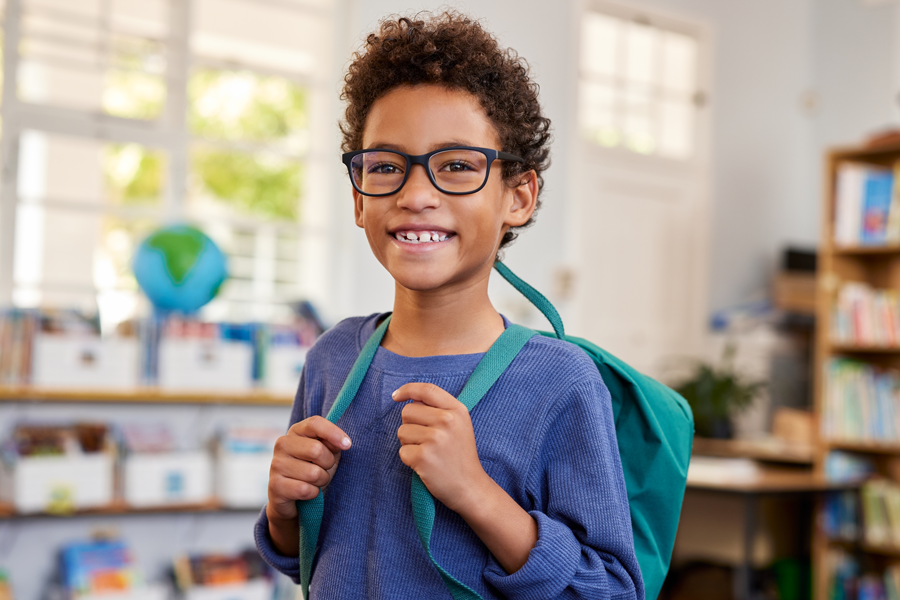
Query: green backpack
<point x="654" y="428"/>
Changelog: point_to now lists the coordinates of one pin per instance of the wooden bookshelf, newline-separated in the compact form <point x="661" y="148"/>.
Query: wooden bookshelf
<point x="879" y="267"/>
<point x="145" y="396"/>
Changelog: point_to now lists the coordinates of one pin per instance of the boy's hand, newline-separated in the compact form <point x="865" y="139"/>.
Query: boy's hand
<point x="305" y="460"/>
<point x="438" y="443"/>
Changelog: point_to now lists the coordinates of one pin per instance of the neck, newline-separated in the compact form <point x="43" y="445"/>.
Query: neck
<point x="443" y="322"/>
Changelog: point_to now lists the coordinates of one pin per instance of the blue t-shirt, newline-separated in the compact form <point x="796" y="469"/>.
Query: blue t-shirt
<point x="544" y="433"/>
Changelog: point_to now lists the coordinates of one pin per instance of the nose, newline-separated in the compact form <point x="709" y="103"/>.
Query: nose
<point x="417" y="193"/>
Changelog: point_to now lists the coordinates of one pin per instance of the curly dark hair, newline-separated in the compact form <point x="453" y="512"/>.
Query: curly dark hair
<point x="455" y="51"/>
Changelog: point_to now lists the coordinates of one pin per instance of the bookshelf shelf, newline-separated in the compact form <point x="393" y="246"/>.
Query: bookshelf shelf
<point x="863" y="446"/>
<point x="883" y="550"/>
<point x="856" y="348"/>
<point x="7" y="511"/>
<point x="866" y="250"/>
<point x="145" y="396"/>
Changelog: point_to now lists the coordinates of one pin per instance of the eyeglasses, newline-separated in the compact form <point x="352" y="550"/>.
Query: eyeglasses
<point x="458" y="171"/>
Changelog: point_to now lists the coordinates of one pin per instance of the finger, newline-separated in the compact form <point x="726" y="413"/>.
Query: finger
<point x="306" y="450"/>
<point x="427" y="393"/>
<point x="299" y="470"/>
<point x="414" y="434"/>
<point x="411" y="455"/>
<point x="283" y="490"/>
<point x="322" y="429"/>
<point x="421" y="414"/>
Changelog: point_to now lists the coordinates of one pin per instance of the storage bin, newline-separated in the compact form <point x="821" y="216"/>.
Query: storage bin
<point x="84" y="362"/>
<point x="242" y="479"/>
<point x="257" y="589"/>
<point x="198" y="364"/>
<point x="58" y="483"/>
<point x="283" y="366"/>
<point x="167" y="478"/>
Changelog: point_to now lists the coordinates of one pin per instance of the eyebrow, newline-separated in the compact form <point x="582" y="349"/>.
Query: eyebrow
<point x="438" y="146"/>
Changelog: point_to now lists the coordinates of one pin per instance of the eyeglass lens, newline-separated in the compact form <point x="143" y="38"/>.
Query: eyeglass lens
<point x="455" y="171"/>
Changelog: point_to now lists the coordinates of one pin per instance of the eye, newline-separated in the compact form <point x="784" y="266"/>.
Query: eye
<point x="385" y="168"/>
<point x="457" y="166"/>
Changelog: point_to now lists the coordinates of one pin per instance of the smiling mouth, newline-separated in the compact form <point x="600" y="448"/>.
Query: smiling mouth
<point x="422" y="237"/>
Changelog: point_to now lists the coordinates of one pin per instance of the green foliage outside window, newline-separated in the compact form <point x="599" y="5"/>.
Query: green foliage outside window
<point x="134" y="174"/>
<point x="225" y="106"/>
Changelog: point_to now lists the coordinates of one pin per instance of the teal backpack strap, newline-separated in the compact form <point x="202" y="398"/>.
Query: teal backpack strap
<point x="310" y="511"/>
<point x="489" y="369"/>
<point x="535" y="297"/>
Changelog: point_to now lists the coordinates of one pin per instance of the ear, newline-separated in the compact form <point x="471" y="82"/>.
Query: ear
<point x="522" y="201"/>
<point x="358" y="208"/>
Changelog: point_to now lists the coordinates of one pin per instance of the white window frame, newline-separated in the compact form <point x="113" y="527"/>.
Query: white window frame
<point x="168" y="133"/>
<point x="662" y="20"/>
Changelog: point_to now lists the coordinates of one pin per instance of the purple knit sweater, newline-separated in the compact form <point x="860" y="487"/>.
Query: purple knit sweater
<point x="545" y="434"/>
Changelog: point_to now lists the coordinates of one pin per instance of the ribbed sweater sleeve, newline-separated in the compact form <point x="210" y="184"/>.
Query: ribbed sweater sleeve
<point x="584" y="547"/>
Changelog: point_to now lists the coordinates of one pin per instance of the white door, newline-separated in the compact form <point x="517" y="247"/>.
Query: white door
<point x="642" y="213"/>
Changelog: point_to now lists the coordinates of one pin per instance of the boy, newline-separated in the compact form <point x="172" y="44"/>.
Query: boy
<point x="445" y="147"/>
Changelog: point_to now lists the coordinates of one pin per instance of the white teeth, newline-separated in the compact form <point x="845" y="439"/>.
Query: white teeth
<point x="412" y="238"/>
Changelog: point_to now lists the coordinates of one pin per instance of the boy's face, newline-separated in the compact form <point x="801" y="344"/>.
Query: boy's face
<point x="416" y="120"/>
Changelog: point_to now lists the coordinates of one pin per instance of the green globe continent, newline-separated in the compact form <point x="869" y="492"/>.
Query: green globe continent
<point x="180" y="250"/>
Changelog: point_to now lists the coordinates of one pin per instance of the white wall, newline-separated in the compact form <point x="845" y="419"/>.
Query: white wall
<point x="770" y="57"/>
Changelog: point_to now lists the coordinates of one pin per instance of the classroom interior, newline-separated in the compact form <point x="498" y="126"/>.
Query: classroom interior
<point x="720" y="214"/>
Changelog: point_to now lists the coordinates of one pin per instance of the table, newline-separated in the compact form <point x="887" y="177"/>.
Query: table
<point x="765" y="481"/>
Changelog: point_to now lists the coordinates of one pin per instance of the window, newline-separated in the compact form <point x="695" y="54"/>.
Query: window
<point x="638" y="87"/>
<point x="128" y="114"/>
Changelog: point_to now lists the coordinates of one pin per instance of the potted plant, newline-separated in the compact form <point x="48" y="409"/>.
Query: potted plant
<point x="716" y="394"/>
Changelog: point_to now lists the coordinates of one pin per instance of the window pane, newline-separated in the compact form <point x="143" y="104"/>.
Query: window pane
<point x="598" y="114"/>
<point x="243" y="106"/>
<point x="599" y="50"/>
<point x="95" y="56"/>
<point x="640" y="52"/>
<point x="679" y="63"/>
<point x="638" y="123"/>
<point x="263" y="278"/>
<point x="88" y="172"/>
<point x="233" y="183"/>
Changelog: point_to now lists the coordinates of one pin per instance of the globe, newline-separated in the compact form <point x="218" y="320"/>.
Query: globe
<point x="179" y="268"/>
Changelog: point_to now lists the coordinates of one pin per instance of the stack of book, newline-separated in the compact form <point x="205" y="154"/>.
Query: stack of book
<point x="17" y="328"/>
<point x="865" y="316"/>
<point x="861" y="402"/>
<point x="846" y="581"/>
<point x="840" y="516"/>
<point x="880" y="500"/>
<point x="867" y="210"/>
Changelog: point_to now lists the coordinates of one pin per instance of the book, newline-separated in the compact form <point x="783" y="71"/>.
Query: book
<point x="867" y="205"/>
<point x="96" y="567"/>
<point x="877" y="195"/>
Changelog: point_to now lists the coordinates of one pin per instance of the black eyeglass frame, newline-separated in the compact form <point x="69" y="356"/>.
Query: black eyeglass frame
<point x="422" y="159"/>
